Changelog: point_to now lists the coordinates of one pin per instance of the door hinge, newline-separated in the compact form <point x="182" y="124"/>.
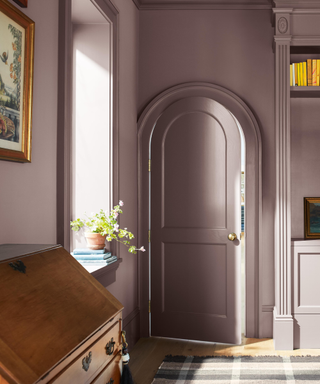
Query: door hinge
<point x="149" y="165"/>
<point x="149" y="236"/>
<point x="149" y="306"/>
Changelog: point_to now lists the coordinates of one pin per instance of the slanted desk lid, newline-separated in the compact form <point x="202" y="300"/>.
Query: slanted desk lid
<point x="47" y="310"/>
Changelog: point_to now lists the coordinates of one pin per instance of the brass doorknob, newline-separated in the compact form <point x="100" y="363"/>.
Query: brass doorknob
<point x="232" y="236"/>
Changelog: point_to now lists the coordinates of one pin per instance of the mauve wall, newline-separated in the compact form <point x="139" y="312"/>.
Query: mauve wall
<point x="126" y="286"/>
<point x="232" y="49"/>
<point x="28" y="203"/>
<point x="305" y="157"/>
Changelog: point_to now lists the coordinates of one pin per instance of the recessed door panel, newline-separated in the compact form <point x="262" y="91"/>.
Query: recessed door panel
<point x="195" y="205"/>
<point x="193" y="260"/>
<point x="187" y="193"/>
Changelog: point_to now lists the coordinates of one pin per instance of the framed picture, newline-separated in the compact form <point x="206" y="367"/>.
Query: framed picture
<point x="312" y="217"/>
<point x="22" y="3"/>
<point x="16" y="78"/>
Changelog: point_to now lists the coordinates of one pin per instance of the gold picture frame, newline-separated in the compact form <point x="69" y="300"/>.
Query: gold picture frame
<point x="16" y="83"/>
<point x="312" y="217"/>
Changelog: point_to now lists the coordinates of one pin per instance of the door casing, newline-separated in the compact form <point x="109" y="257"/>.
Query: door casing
<point x="253" y="206"/>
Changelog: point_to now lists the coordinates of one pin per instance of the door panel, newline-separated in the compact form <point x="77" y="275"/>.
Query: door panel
<point x="202" y="183"/>
<point x="195" y="204"/>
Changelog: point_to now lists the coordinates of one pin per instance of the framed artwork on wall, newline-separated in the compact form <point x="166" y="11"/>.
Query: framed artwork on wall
<point x="22" y="3"/>
<point x="312" y="217"/>
<point x="16" y="79"/>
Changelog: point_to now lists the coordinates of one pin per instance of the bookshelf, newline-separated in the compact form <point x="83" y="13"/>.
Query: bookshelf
<point x="296" y="39"/>
<point x="300" y="54"/>
<point x="304" y="92"/>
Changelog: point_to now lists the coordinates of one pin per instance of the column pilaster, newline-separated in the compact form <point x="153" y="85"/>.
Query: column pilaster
<point x="282" y="315"/>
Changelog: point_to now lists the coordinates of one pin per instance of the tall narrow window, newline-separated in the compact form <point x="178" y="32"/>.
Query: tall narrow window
<point x="92" y="114"/>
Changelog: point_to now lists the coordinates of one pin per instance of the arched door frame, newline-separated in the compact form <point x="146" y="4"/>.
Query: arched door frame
<point x="253" y="182"/>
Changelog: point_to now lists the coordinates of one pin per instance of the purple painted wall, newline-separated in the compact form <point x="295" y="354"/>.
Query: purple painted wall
<point x="126" y="286"/>
<point x="232" y="49"/>
<point x="305" y="144"/>
<point x="229" y="48"/>
<point x="28" y="204"/>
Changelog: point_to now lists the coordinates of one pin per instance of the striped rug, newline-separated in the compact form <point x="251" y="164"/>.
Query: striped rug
<point x="242" y="370"/>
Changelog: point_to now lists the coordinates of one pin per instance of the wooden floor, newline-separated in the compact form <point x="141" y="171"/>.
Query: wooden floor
<point x="148" y="353"/>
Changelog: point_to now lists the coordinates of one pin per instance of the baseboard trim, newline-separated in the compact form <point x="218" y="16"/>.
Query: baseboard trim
<point x="282" y="331"/>
<point x="131" y="324"/>
<point x="127" y="320"/>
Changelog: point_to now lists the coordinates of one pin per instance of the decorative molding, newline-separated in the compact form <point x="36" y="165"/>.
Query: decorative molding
<point x="64" y="136"/>
<point x="282" y="25"/>
<point x="283" y="331"/>
<point x="305" y="40"/>
<point x="201" y="4"/>
<point x="267" y="308"/>
<point x="305" y="4"/>
<point x="282" y="317"/>
<point x="64" y="133"/>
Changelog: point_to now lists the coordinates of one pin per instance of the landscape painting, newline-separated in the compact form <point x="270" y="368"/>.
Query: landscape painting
<point x="16" y="62"/>
<point x="312" y="217"/>
<point x="11" y="81"/>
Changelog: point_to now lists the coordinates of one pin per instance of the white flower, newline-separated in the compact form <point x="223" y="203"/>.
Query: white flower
<point x="116" y="227"/>
<point x="121" y="203"/>
<point x="142" y="249"/>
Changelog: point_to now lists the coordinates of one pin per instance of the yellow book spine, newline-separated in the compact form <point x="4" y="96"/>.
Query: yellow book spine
<point x="299" y="74"/>
<point x="296" y="74"/>
<point x="309" y="69"/>
<point x="314" y="72"/>
<point x="304" y="67"/>
<point x="291" y="80"/>
<point x="318" y="72"/>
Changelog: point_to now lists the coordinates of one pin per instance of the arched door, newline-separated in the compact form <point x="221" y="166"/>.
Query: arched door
<point x="195" y="205"/>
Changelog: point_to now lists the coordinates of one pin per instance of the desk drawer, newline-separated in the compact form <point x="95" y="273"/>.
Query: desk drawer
<point x="111" y="374"/>
<point x="84" y="368"/>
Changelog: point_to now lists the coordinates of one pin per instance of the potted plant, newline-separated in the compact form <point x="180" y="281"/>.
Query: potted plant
<point x="104" y="226"/>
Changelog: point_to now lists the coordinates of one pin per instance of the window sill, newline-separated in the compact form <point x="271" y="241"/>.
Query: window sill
<point x="104" y="273"/>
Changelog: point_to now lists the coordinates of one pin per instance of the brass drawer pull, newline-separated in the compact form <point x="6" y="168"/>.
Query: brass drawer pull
<point x="18" y="266"/>
<point x="111" y="381"/>
<point x="86" y="361"/>
<point x="110" y="347"/>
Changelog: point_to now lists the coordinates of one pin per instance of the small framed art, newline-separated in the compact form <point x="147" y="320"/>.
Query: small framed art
<point x="16" y="78"/>
<point x="312" y="217"/>
<point x="22" y="3"/>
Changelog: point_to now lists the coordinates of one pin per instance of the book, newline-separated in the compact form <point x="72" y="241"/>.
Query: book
<point x="304" y="74"/>
<point x="314" y="72"/>
<point x="92" y="257"/>
<point x="293" y="76"/>
<point x="318" y="72"/>
<point x="296" y="73"/>
<point x="309" y="70"/>
<point x="87" y="251"/>
<point x="291" y="81"/>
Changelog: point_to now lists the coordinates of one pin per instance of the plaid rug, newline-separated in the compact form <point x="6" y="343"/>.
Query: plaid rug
<point x="242" y="370"/>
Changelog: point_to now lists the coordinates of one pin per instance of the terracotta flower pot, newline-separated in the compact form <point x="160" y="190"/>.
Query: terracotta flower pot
<point x="95" y="240"/>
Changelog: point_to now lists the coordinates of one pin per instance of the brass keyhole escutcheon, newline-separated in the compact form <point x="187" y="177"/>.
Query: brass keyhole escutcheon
<point x="232" y="236"/>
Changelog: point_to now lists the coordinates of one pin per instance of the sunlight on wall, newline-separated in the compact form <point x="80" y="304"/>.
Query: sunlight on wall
<point x="91" y="121"/>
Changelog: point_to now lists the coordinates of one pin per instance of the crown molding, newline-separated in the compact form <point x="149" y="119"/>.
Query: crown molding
<point x="201" y="4"/>
<point x="297" y="4"/>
